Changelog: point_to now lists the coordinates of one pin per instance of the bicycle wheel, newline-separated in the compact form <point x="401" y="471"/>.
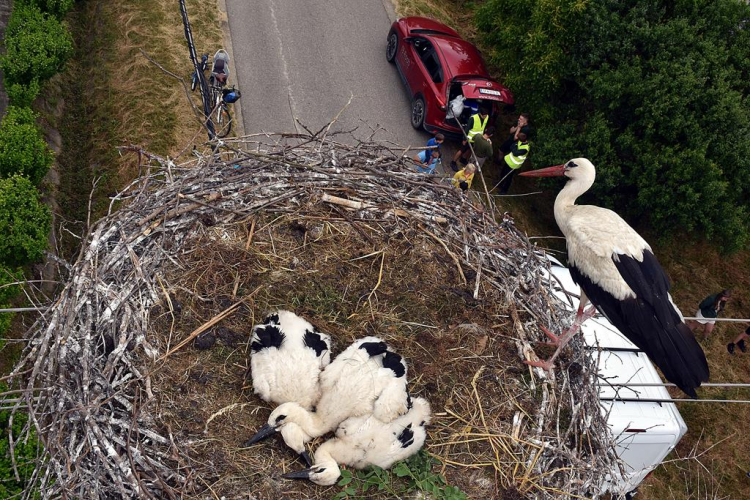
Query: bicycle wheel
<point x="223" y="121"/>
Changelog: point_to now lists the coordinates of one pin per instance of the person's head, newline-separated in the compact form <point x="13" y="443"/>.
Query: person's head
<point x="439" y="138"/>
<point x="483" y="111"/>
<point x="522" y="137"/>
<point x="725" y="294"/>
<point x="523" y="119"/>
<point x="489" y="132"/>
<point x="470" y="169"/>
<point x="436" y="154"/>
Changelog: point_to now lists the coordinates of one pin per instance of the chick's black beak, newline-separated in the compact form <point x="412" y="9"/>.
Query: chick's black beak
<point x="306" y="457"/>
<point x="263" y="433"/>
<point x="300" y="474"/>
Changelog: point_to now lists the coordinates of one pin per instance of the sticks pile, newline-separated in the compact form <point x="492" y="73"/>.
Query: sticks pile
<point x="86" y="373"/>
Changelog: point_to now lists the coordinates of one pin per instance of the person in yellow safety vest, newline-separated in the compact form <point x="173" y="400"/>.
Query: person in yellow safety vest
<point x="513" y="161"/>
<point x="477" y="124"/>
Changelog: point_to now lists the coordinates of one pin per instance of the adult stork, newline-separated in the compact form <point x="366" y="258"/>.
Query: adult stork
<point x="365" y="379"/>
<point x="362" y="442"/>
<point x="617" y="271"/>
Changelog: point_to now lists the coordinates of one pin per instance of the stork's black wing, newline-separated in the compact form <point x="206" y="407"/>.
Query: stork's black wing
<point x="650" y="320"/>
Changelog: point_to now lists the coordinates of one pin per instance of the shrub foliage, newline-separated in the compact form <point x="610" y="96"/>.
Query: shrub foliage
<point x="37" y="45"/>
<point x="23" y="150"/>
<point x="25" y="454"/>
<point x="24" y="222"/>
<point x="654" y="93"/>
<point x="56" y="7"/>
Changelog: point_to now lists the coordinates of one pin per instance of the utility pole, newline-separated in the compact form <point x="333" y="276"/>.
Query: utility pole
<point x="207" y="109"/>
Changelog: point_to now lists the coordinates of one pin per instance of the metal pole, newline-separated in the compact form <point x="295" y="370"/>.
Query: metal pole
<point x="207" y="104"/>
<point x="656" y="400"/>
<point x="21" y="309"/>
<point x="667" y="384"/>
<point x="728" y="320"/>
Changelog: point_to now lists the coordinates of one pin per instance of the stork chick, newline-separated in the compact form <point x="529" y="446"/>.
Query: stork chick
<point x="362" y="442"/>
<point x="366" y="379"/>
<point x="618" y="272"/>
<point x="287" y="356"/>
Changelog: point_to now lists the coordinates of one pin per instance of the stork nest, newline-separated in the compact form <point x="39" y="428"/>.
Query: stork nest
<point x="136" y="379"/>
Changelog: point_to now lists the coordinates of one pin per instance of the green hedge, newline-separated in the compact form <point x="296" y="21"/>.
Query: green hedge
<point x="23" y="150"/>
<point x="655" y="94"/>
<point x="7" y="293"/>
<point x="25" y="453"/>
<point x="57" y="7"/>
<point x="24" y="222"/>
<point x="37" y="45"/>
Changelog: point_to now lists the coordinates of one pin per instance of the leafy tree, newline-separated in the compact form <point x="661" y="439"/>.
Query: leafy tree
<point x="654" y="93"/>
<point x="36" y="44"/>
<point x="23" y="150"/>
<point x="57" y="7"/>
<point x="24" y="222"/>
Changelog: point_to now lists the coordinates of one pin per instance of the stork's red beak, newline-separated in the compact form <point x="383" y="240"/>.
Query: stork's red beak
<point x="555" y="171"/>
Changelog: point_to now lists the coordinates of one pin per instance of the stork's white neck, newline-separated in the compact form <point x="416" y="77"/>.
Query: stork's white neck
<point x="566" y="198"/>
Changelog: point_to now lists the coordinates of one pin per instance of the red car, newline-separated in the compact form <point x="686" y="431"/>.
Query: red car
<point x="437" y="65"/>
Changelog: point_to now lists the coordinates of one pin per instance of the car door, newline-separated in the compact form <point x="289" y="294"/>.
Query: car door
<point x="430" y="75"/>
<point x="421" y="66"/>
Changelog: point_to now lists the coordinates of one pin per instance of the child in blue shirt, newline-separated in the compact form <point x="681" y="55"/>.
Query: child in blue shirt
<point x="436" y="141"/>
<point x="427" y="160"/>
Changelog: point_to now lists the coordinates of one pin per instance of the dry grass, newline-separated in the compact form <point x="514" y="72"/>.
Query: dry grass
<point x="329" y="272"/>
<point x="152" y="108"/>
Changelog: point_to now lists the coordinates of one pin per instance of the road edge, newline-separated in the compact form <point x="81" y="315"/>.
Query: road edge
<point x="390" y="9"/>
<point x="239" y="121"/>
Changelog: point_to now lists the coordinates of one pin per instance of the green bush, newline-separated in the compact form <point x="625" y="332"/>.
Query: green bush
<point x="36" y="44"/>
<point x="24" y="222"/>
<point x="25" y="453"/>
<point x="653" y="93"/>
<point x="7" y="293"/>
<point x="23" y="150"/>
<point x="22" y="95"/>
<point x="57" y="7"/>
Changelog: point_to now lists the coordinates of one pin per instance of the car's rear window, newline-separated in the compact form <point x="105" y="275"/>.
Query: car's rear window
<point x="430" y="32"/>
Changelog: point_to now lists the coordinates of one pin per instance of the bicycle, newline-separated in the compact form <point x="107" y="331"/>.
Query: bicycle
<point x="220" y="99"/>
<point x="203" y="65"/>
<point x="221" y="96"/>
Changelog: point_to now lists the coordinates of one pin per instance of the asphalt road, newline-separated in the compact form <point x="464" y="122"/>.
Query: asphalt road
<point x="303" y="59"/>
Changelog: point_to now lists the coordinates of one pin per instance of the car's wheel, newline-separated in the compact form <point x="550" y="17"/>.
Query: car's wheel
<point x="418" y="112"/>
<point x="392" y="47"/>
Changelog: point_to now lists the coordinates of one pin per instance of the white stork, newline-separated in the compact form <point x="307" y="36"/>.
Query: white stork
<point x="286" y="358"/>
<point x="362" y="442"/>
<point x="617" y="271"/>
<point x="365" y="379"/>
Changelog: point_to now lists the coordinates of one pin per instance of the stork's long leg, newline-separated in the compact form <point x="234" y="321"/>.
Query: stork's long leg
<point x="560" y="341"/>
